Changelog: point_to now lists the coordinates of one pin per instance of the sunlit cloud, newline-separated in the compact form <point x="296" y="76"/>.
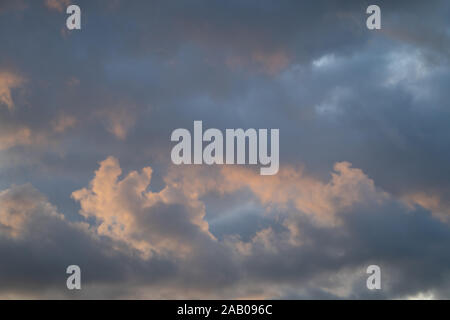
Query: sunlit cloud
<point x="8" y="82"/>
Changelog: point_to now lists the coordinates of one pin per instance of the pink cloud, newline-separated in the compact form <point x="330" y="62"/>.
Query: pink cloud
<point x="9" y="81"/>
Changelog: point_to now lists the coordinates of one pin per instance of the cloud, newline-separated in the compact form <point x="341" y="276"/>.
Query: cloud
<point x="19" y="136"/>
<point x="64" y="122"/>
<point x="273" y="63"/>
<point x="118" y="121"/>
<point x="290" y="187"/>
<point x="339" y="93"/>
<point x="20" y="205"/>
<point x="159" y="222"/>
<point x="7" y="5"/>
<point x="9" y="81"/>
<point x="267" y="62"/>
<point x="432" y="202"/>
<point x="58" y="5"/>
<point x="145" y="243"/>
<point x="37" y="244"/>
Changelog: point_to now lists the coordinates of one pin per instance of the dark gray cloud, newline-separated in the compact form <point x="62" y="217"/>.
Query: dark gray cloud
<point x="136" y="71"/>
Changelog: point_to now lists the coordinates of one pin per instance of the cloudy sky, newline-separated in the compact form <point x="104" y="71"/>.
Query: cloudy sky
<point x="86" y="176"/>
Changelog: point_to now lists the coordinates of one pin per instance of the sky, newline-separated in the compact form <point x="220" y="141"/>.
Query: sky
<point x="86" y="176"/>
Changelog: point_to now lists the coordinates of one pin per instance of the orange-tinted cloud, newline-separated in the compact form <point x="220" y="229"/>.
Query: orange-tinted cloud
<point x="19" y="205"/>
<point x="9" y="81"/>
<point x="147" y="221"/>
<point x="118" y="121"/>
<point x="432" y="202"/>
<point x="17" y="136"/>
<point x="20" y="135"/>
<point x="322" y="200"/>
<point x="348" y="186"/>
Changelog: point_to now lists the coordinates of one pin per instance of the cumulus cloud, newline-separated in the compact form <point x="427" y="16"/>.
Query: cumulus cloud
<point x="339" y="93"/>
<point x="37" y="244"/>
<point x="347" y="187"/>
<point x="20" y="206"/>
<point x="290" y="187"/>
<point x="164" y="237"/>
<point x="121" y="205"/>
<point x="149" y="221"/>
